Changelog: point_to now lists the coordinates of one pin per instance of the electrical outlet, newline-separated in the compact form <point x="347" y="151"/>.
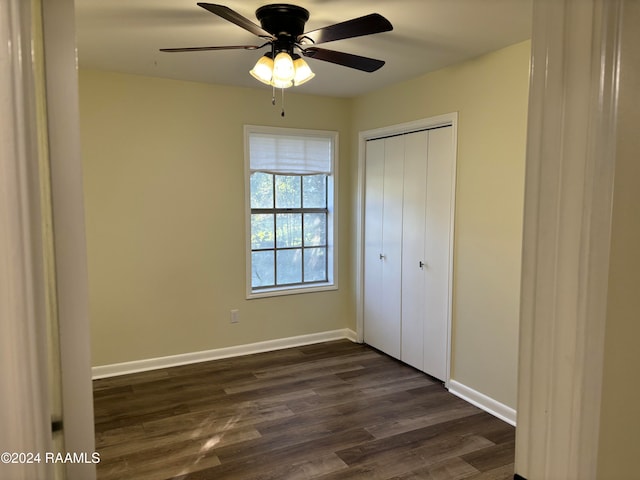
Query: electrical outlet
<point x="235" y="316"/>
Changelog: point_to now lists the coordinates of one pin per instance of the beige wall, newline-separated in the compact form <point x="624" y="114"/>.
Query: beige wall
<point x="491" y="95"/>
<point x="620" y="418"/>
<point x="163" y="168"/>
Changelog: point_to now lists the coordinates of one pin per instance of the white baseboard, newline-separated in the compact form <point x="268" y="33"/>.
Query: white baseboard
<point x="104" y="371"/>
<point x="484" y="402"/>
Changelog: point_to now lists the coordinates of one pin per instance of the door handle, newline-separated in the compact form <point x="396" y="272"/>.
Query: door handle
<point x="421" y="264"/>
<point x="382" y="257"/>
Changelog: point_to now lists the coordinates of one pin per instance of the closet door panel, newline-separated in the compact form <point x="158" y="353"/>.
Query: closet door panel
<point x="437" y="249"/>
<point x="375" y="327"/>
<point x="391" y="254"/>
<point x="413" y="244"/>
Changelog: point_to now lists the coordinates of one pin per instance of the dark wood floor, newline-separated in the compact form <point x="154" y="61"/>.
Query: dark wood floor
<point x="335" y="410"/>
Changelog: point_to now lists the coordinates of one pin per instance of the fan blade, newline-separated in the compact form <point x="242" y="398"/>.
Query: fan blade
<point x="365" y="64"/>
<point x="204" y="49"/>
<point x="357" y="27"/>
<point x="235" y="17"/>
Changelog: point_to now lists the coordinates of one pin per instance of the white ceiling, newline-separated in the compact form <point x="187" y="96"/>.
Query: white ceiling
<point x="125" y="35"/>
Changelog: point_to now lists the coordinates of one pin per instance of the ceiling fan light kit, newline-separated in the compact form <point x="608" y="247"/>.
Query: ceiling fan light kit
<point x="282" y="28"/>
<point x="283" y="72"/>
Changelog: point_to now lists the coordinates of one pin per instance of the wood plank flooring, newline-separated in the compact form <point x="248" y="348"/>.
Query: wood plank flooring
<point x="330" y="411"/>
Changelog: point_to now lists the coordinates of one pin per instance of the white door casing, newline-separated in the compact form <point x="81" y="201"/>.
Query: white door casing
<point x="566" y="240"/>
<point x="23" y="274"/>
<point x="25" y="411"/>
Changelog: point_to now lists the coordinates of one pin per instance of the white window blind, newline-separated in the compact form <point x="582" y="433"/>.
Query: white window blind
<point x="290" y="154"/>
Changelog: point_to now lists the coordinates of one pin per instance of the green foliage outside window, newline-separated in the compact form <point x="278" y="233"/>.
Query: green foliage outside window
<point x="289" y="220"/>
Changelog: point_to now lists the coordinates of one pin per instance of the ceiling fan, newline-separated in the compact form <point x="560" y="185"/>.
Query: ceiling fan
<point x="282" y="29"/>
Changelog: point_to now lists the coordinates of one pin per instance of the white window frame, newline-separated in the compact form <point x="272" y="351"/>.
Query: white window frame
<point x="332" y="220"/>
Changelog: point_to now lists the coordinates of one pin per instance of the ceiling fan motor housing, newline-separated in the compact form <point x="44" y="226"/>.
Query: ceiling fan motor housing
<point x="284" y="21"/>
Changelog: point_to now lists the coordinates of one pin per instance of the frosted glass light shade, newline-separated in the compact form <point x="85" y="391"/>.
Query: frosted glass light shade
<point x="263" y="70"/>
<point x="283" y="71"/>
<point x="303" y="72"/>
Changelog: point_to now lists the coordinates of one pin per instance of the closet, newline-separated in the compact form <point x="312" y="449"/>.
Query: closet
<point x="408" y="219"/>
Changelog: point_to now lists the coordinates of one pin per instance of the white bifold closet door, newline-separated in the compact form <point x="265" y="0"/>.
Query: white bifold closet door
<point x="408" y="220"/>
<point x="383" y="244"/>
<point x="414" y="202"/>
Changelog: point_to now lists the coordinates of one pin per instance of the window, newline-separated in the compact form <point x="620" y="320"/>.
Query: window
<point x="290" y="182"/>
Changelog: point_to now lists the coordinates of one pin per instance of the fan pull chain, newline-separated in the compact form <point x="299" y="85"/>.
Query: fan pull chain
<point x="282" y="113"/>
<point x="273" y="99"/>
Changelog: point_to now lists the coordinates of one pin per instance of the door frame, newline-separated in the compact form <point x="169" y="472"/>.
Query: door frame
<point x="70" y="249"/>
<point x="569" y="180"/>
<point x="448" y="119"/>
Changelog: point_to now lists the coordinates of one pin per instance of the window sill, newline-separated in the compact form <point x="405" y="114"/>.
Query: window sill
<point x="295" y="290"/>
